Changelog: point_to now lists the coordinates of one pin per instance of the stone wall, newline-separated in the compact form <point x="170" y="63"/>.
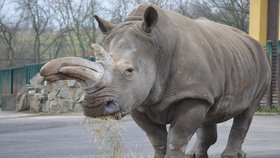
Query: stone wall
<point x="57" y="97"/>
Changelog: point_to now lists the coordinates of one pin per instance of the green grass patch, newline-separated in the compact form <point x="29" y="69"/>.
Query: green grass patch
<point x="273" y="109"/>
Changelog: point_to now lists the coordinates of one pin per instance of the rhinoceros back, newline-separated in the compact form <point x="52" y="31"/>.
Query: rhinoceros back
<point x="234" y="67"/>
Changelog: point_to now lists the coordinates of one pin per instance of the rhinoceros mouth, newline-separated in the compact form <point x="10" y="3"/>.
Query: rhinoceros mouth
<point x="109" y="108"/>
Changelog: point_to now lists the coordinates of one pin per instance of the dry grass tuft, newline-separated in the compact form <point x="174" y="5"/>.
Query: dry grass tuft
<point x="106" y="136"/>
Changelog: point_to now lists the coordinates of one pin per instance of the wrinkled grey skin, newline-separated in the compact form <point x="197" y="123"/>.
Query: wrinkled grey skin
<point x="164" y="68"/>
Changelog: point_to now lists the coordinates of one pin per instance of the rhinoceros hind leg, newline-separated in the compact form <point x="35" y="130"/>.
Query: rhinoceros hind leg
<point x="206" y="136"/>
<point x="239" y="129"/>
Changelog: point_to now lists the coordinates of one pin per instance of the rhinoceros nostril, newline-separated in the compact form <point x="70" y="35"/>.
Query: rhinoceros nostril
<point x="109" y="104"/>
<point x="111" y="107"/>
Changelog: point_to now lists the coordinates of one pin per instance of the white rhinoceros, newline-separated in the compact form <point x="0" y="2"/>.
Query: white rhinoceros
<point x="164" y="68"/>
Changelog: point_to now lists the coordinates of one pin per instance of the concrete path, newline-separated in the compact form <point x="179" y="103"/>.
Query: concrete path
<point x="12" y="114"/>
<point x="67" y="137"/>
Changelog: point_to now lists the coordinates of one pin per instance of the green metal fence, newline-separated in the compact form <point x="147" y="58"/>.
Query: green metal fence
<point x="13" y="79"/>
<point x="5" y="81"/>
<point x="273" y="92"/>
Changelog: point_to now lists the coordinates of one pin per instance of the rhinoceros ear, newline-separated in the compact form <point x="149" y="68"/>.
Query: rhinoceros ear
<point x="105" y="26"/>
<point x="150" y="19"/>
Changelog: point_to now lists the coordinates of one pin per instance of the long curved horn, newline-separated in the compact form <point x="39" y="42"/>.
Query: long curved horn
<point x="82" y="70"/>
<point x="101" y="55"/>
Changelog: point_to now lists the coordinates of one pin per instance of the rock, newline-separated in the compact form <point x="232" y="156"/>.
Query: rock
<point x="65" y="105"/>
<point x="71" y="83"/>
<point x="60" y="83"/>
<point x="65" y="93"/>
<point x="36" y="101"/>
<point x="78" y="108"/>
<point x="22" y="102"/>
<point x="46" y="107"/>
<point x="80" y="98"/>
<point x="56" y="97"/>
<point x="53" y="107"/>
<point x="37" y="81"/>
<point x="31" y="92"/>
<point x="52" y="95"/>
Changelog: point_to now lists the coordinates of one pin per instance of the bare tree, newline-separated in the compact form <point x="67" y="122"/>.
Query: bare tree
<point x="39" y="14"/>
<point x="77" y="17"/>
<point x="231" y="12"/>
<point x="8" y="37"/>
<point x="89" y="25"/>
<point x="183" y="7"/>
<point x="122" y="8"/>
<point x="9" y="28"/>
<point x="39" y="18"/>
<point x="52" y="28"/>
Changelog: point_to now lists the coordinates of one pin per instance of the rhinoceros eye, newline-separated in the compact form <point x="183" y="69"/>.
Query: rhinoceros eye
<point x="129" y="72"/>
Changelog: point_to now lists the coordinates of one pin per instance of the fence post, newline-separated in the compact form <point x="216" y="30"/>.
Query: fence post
<point x="278" y="76"/>
<point x="268" y="102"/>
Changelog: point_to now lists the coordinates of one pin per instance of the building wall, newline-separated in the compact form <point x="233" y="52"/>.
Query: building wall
<point x="264" y="20"/>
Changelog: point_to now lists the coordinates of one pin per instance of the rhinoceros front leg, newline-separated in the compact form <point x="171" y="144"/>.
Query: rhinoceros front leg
<point x="156" y="133"/>
<point x="239" y="129"/>
<point x="206" y="136"/>
<point x="189" y="115"/>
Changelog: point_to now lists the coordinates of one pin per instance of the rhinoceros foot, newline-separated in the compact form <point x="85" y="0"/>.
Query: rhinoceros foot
<point x="196" y="155"/>
<point x="237" y="154"/>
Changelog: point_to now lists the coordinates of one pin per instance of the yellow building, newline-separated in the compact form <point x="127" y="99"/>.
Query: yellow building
<point x="264" y="17"/>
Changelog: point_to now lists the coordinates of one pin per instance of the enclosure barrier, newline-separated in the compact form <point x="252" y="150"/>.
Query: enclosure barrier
<point x="272" y="97"/>
<point x="13" y="79"/>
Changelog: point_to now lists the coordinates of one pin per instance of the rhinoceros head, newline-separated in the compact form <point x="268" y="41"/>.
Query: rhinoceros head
<point x="123" y="76"/>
